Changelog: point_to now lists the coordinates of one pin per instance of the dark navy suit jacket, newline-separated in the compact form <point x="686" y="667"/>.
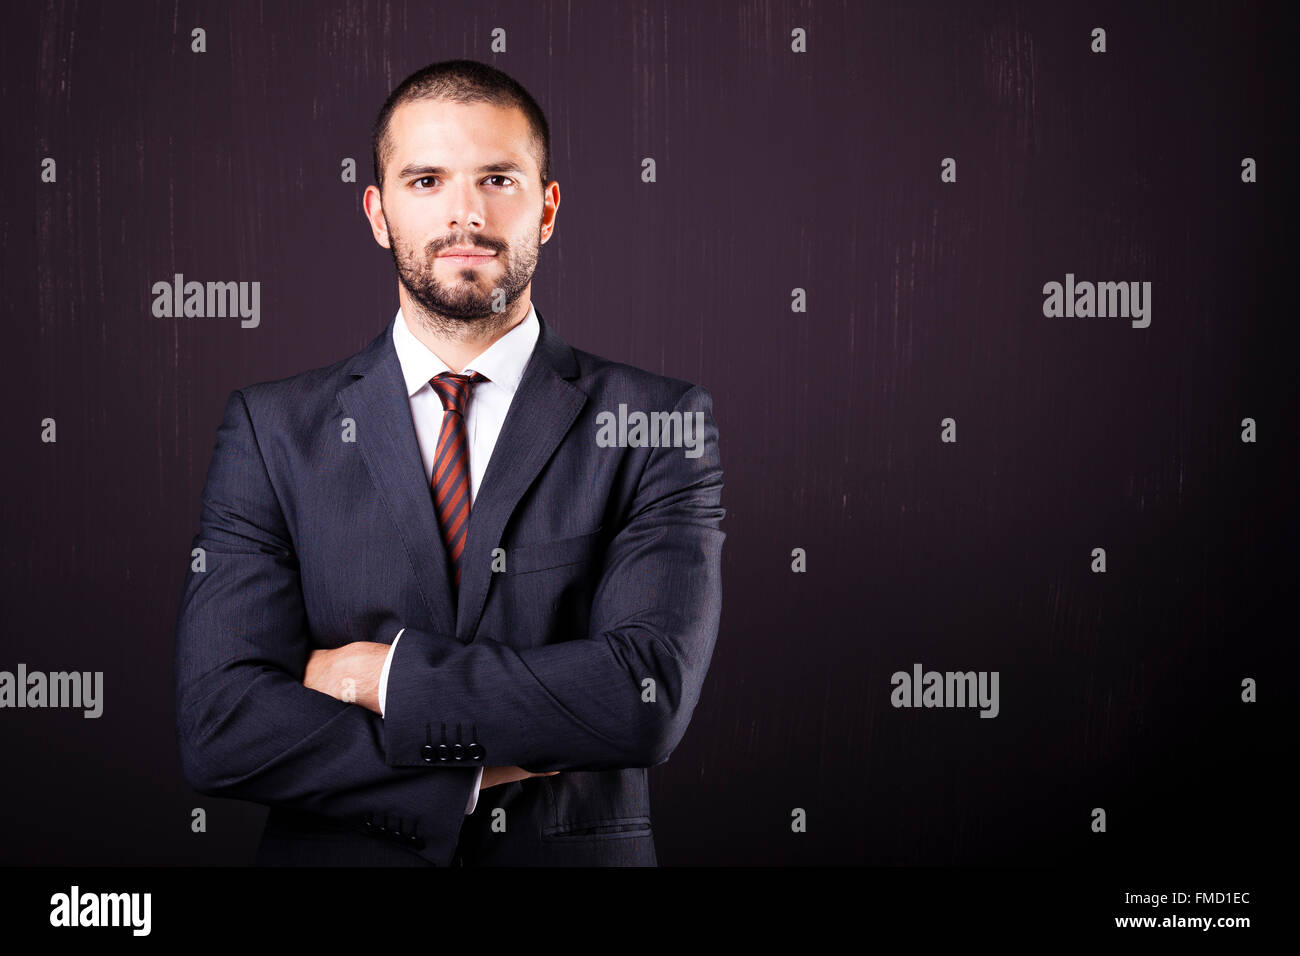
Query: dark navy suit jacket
<point x="611" y="594"/>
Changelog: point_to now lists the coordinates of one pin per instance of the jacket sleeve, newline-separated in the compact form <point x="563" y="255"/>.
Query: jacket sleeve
<point x="619" y="696"/>
<point x="247" y="726"/>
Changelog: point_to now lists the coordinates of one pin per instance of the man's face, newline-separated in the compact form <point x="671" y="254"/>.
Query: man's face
<point x="462" y="176"/>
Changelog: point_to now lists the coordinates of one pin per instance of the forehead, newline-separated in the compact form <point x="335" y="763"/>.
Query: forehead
<point x="445" y="133"/>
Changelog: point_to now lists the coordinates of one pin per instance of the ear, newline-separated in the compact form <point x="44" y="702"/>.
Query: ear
<point x="373" y="206"/>
<point x="550" y="206"/>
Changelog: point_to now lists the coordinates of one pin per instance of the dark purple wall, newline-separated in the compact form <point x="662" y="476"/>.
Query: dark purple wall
<point x="776" y="171"/>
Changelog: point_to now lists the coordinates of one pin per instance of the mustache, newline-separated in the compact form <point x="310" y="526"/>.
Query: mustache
<point x="488" y="245"/>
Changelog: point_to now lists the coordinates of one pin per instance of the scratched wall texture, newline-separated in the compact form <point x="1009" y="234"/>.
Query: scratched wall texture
<point x="776" y="171"/>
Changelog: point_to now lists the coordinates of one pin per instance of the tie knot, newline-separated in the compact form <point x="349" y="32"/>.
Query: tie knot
<point x="453" y="389"/>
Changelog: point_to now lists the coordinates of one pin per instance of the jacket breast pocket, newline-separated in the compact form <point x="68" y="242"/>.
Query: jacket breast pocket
<point x="544" y="594"/>
<point x="542" y="556"/>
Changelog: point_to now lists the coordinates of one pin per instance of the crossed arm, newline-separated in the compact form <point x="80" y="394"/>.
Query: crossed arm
<point x="353" y="673"/>
<point x="258" y="715"/>
<point x="247" y="727"/>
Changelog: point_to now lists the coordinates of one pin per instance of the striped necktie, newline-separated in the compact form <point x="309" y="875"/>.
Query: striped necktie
<point x="450" y="481"/>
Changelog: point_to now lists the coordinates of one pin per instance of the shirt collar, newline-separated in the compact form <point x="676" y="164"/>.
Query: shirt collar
<point x="502" y="362"/>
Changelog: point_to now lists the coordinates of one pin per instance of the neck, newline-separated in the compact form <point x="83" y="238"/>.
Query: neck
<point x="457" y="342"/>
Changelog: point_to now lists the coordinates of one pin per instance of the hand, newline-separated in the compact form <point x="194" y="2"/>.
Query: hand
<point x="349" y="673"/>
<point x="495" y="775"/>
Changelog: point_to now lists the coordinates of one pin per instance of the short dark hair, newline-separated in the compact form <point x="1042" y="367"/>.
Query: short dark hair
<point x="462" y="81"/>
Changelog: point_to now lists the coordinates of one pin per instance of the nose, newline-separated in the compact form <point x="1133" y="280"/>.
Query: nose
<point x="466" y="210"/>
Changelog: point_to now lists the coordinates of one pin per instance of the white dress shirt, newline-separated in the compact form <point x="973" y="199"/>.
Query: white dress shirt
<point x="502" y="363"/>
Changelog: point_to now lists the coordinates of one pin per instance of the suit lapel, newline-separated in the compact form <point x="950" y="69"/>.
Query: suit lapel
<point x="378" y="403"/>
<point x="542" y="410"/>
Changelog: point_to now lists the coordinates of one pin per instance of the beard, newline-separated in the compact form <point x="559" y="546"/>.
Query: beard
<point x="462" y="307"/>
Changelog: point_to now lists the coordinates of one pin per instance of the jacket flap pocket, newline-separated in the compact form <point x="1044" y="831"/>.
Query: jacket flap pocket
<point x="551" y="554"/>
<point x="624" y="827"/>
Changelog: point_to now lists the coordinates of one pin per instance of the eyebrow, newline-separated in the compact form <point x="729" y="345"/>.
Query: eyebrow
<point x="415" y="169"/>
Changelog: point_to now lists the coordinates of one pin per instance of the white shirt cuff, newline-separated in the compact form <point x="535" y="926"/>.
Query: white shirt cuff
<point x="473" y="797"/>
<point x="383" y="674"/>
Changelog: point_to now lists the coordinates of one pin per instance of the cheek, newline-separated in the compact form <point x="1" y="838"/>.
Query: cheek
<point x="415" y="253"/>
<point x="414" y="225"/>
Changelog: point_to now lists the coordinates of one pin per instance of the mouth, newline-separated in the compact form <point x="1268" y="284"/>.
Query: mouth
<point x="468" y="257"/>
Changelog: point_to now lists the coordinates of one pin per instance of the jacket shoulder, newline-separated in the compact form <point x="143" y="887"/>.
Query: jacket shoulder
<point x="308" y="391"/>
<point x="603" y="378"/>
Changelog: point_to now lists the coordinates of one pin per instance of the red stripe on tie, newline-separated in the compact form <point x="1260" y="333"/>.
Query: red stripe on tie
<point x="450" y="480"/>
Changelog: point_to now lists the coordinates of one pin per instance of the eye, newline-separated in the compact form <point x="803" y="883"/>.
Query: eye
<point x="507" y="179"/>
